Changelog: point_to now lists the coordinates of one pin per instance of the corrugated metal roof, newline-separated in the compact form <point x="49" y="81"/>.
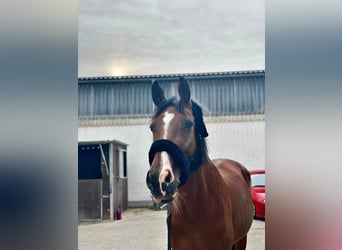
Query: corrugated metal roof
<point x="176" y="75"/>
<point x="219" y="93"/>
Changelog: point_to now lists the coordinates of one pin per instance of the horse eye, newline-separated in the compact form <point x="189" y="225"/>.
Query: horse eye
<point x="188" y="124"/>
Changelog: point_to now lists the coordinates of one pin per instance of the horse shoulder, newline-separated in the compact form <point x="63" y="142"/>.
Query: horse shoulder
<point x="230" y="168"/>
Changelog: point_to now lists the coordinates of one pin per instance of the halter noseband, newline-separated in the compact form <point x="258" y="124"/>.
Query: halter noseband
<point x="180" y="159"/>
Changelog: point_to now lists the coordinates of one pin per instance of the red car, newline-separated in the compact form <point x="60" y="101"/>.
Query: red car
<point x="258" y="192"/>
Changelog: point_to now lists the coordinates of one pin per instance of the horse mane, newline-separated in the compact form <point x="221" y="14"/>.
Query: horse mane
<point x="200" y="128"/>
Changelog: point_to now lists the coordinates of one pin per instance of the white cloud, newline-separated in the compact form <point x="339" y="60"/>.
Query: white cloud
<point x="152" y="37"/>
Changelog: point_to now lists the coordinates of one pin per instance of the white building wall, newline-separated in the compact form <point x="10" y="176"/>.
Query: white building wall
<point x="241" y="141"/>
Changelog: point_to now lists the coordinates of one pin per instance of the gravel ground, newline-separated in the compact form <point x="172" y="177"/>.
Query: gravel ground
<point x="143" y="228"/>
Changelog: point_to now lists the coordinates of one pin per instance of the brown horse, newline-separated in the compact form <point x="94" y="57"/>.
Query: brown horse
<point x="211" y="200"/>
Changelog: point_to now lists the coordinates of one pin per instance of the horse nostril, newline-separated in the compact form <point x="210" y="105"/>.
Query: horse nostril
<point x="153" y="184"/>
<point x="168" y="178"/>
<point x="164" y="186"/>
<point x="166" y="182"/>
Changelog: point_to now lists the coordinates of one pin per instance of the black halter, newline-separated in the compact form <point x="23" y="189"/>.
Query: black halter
<point x="180" y="159"/>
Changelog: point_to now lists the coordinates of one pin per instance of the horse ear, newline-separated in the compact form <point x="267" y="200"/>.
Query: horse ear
<point x="184" y="91"/>
<point x="157" y="93"/>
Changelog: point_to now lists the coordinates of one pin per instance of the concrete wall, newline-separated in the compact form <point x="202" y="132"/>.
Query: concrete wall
<point x="243" y="141"/>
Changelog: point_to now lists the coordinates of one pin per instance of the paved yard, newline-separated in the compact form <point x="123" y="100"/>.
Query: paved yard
<point x="143" y="229"/>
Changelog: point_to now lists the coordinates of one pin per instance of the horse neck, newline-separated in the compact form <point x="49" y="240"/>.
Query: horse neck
<point x="197" y="188"/>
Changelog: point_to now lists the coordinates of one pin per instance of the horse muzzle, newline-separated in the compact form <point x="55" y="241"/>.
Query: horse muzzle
<point x="162" y="192"/>
<point x="161" y="179"/>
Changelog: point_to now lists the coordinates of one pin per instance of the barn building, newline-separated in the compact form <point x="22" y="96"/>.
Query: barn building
<point x="117" y="111"/>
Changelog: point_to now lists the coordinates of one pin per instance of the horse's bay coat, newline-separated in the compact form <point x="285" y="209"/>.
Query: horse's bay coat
<point x="212" y="215"/>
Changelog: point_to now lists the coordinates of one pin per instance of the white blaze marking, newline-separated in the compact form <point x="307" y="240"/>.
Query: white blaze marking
<point x="167" y="119"/>
<point x="165" y="160"/>
<point x="165" y="171"/>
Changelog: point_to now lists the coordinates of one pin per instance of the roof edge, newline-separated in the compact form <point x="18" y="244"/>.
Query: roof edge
<point x="220" y="73"/>
<point x="104" y="141"/>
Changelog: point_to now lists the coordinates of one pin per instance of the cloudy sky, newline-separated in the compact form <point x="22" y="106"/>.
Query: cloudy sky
<point x="138" y="37"/>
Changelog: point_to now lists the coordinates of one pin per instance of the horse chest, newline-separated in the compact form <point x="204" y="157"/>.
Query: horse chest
<point x="200" y="233"/>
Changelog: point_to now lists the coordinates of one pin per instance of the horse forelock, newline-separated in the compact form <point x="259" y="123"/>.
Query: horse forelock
<point x="165" y="104"/>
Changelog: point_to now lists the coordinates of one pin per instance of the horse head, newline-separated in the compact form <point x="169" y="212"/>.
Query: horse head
<point x="178" y="146"/>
